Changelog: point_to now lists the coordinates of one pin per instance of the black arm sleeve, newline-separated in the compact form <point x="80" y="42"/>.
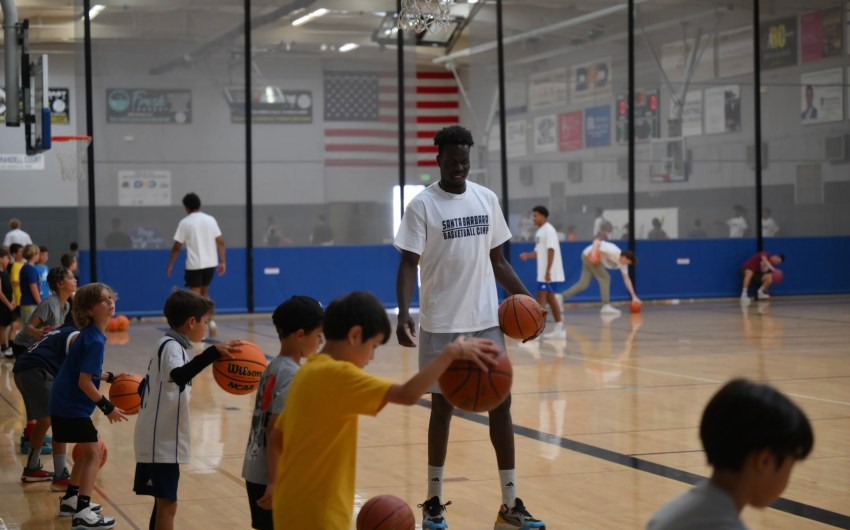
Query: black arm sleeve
<point x="188" y="371"/>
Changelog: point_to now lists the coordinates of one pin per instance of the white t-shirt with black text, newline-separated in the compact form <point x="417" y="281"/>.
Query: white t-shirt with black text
<point x="545" y="239"/>
<point x="453" y="235"/>
<point x="197" y="232"/>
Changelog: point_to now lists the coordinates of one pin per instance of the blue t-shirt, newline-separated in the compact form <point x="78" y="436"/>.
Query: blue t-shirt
<point x="43" y="288"/>
<point x="47" y="354"/>
<point x="85" y="356"/>
<point x="29" y="274"/>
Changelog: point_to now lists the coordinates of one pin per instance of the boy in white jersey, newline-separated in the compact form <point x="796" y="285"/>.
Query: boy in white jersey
<point x="454" y="231"/>
<point x="550" y="267"/>
<point x="595" y="259"/>
<point x="162" y="439"/>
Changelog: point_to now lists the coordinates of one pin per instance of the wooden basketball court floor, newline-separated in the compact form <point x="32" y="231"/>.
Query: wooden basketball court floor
<point x="606" y="422"/>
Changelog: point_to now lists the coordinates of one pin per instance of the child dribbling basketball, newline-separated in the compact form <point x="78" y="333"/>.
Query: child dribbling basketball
<point x="315" y="476"/>
<point x="298" y="322"/>
<point x="162" y="438"/>
<point x="73" y="398"/>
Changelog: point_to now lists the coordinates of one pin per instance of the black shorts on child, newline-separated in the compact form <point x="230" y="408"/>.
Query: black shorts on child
<point x="157" y="480"/>
<point x="261" y="519"/>
<point x="73" y="430"/>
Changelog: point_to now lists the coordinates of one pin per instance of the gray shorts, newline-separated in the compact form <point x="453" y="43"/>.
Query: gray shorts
<point x="34" y="385"/>
<point x="431" y="344"/>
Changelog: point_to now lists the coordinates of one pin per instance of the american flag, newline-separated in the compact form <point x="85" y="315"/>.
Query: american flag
<point x="361" y="117"/>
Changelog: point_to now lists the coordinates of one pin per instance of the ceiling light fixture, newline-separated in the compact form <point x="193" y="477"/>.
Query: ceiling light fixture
<point x="310" y="16"/>
<point x="348" y="47"/>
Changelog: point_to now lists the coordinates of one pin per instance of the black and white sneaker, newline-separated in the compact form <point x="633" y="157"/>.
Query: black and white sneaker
<point x="88" y="519"/>
<point x="68" y="507"/>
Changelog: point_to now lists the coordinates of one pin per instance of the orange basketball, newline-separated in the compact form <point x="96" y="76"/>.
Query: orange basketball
<point x="594" y="258"/>
<point x="467" y="387"/>
<point x="385" y="512"/>
<point x="123" y="323"/>
<point x="521" y="317"/>
<point x="241" y="375"/>
<point x="112" y="325"/>
<point x="78" y="450"/>
<point x="777" y="275"/>
<point x="124" y="393"/>
<point x="636" y="307"/>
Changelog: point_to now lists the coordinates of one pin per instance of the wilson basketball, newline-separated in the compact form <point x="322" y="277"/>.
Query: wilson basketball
<point x="636" y="307"/>
<point x="241" y="375"/>
<point x="124" y="393"/>
<point x="467" y="387"/>
<point x="385" y="512"/>
<point x="778" y="276"/>
<point x="521" y="317"/>
<point x="78" y="450"/>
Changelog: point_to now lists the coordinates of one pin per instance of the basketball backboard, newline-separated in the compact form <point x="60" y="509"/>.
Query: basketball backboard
<point x="36" y="104"/>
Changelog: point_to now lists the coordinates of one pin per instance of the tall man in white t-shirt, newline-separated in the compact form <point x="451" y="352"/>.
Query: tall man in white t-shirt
<point x="200" y="234"/>
<point x="550" y="267"/>
<point x="595" y="260"/>
<point x="454" y="231"/>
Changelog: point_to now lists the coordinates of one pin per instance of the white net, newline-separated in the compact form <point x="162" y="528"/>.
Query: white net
<point x="425" y="15"/>
<point x="71" y="153"/>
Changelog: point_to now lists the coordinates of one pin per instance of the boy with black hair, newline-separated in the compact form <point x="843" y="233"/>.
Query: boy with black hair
<point x="298" y="322"/>
<point x="73" y="398"/>
<point x="752" y="436"/>
<point x="41" y="267"/>
<point x="316" y="473"/>
<point x="30" y="282"/>
<point x="759" y="268"/>
<point x="596" y="258"/>
<point x="7" y="304"/>
<point x="550" y="267"/>
<point x="162" y="437"/>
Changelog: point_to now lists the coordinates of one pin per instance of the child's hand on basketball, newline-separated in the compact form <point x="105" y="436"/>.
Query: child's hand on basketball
<point x="406" y="331"/>
<point x="480" y="351"/>
<point x="116" y="415"/>
<point x="227" y="349"/>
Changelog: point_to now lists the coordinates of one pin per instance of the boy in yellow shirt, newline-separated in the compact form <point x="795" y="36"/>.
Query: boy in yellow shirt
<point x="314" y="483"/>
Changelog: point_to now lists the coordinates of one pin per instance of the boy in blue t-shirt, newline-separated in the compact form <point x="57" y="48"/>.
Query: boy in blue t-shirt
<point x="75" y="395"/>
<point x="41" y="267"/>
<point x="30" y="282"/>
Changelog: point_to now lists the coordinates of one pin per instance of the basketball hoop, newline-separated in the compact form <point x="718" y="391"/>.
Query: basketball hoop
<point x="425" y="15"/>
<point x="70" y="151"/>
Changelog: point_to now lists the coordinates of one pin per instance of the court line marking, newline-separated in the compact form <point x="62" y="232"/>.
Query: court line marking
<point x="781" y="504"/>
<point x="116" y="508"/>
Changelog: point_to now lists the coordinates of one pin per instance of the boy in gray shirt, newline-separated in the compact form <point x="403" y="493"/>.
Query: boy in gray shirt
<point x="752" y="436"/>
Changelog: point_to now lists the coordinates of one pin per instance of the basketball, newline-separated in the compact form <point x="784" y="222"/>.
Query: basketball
<point x="594" y="258"/>
<point x="636" y="307"/>
<point x="777" y="275"/>
<point x="241" y="375"/>
<point x="112" y="325"/>
<point x="123" y="323"/>
<point x="124" y="393"/>
<point x="385" y="512"/>
<point x="521" y="317"/>
<point x="468" y="388"/>
<point x="78" y="450"/>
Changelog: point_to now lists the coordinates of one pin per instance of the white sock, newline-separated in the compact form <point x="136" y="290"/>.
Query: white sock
<point x="435" y="481"/>
<point x="58" y="463"/>
<point x="507" y="480"/>
<point x="743" y="292"/>
<point x="559" y="326"/>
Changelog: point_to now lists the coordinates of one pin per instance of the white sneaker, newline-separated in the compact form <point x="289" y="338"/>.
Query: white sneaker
<point x="88" y="519"/>
<point x="763" y="295"/>
<point x="68" y="507"/>
<point x="608" y="309"/>
<point x="557" y="333"/>
<point x="745" y="300"/>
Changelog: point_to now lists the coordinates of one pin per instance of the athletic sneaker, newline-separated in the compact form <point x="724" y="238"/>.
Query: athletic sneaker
<point x="68" y="507"/>
<point x="60" y="481"/>
<point x="7" y="353"/>
<point x="763" y="295"/>
<point x="36" y="474"/>
<point x="433" y="514"/>
<point x="608" y="309"/>
<point x="46" y="447"/>
<point x="517" y="518"/>
<point x="557" y="333"/>
<point x="87" y="518"/>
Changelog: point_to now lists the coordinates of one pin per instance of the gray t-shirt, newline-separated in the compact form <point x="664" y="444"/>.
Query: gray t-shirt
<point x="271" y="396"/>
<point x="51" y="313"/>
<point x="704" y="507"/>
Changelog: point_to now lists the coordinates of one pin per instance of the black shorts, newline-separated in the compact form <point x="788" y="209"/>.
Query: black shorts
<point x="261" y="519"/>
<point x="73" y="430"/>
<point x="199" y="277"/>
<point x="7" y="316"/>
<point x="157" y="480"/>
<point x="757" y="276"/>
<point x="17" y="312"/>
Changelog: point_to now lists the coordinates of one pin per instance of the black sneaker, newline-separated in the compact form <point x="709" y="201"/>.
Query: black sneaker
<point x="517" y="518"/>
<point x="434" y="514"/>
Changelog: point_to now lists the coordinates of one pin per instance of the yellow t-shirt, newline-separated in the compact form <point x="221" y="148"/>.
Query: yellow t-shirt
<point x="15" y="275"/>
<point x="315" y="487"/>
